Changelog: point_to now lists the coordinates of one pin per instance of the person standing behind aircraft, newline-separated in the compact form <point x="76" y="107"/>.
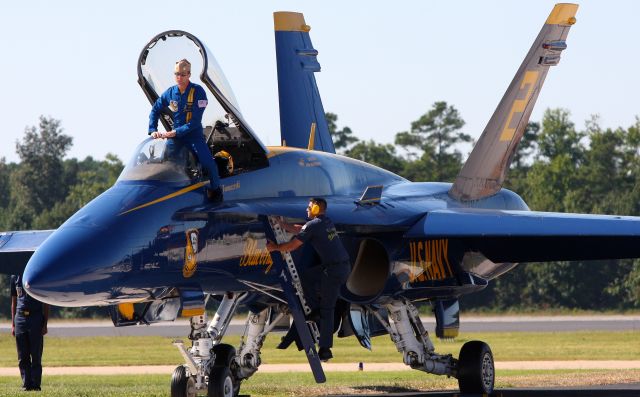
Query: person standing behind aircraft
<point x="187" y="102"/>
<point x="330" y="275"/>
<point x="28" y="324"/>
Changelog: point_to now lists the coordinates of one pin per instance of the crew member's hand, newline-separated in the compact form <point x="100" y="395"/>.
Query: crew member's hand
<point x="170" y="134"/>
<point x="271" y="246"/>
<point x="156" y="135"/>
<point x="13" y="330"/>
<point x="44" y="329"/>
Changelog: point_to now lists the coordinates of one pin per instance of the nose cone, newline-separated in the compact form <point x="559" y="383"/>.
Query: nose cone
<point x="75" y="266"/>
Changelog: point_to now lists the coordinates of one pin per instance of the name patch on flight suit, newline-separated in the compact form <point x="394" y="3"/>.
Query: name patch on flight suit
<point x="190" y="261"/>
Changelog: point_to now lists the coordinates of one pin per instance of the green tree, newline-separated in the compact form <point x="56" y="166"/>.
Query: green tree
<point x="93" y="177"/>
<point x="342" y="138"/>
<point x="35" y="186"/>
<point x="431" y="139"/>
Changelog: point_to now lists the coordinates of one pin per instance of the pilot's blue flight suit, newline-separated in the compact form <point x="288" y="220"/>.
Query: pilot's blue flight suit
<point x="329" y="276"/>
<point x="187" y="109"/>
<point x="30" y="323"/>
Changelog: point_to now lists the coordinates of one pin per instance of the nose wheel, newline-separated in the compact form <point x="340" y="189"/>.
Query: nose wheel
<point x="182" y="384"/>
<point x="476" y="369"/>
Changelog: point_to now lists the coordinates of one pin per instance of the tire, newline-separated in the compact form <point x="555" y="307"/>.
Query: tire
<point x="224" y="354"/>
<point x="222" y="383"/>
<point x="476" y="370"/>
<point x="182" y="385"/>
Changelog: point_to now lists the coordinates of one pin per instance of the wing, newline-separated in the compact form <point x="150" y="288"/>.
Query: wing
<point x="17" y="247"/>
<point x="302" y="120"/>
<point x="528" y="236"/>
<point x="483" y="173"/>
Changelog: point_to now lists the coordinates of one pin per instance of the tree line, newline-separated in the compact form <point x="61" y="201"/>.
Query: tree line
<point x="557" y="167"/>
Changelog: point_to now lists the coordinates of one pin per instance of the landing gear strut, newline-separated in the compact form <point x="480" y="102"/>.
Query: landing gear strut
<point x="217" y="368"/>
<point x="474" y="369"/>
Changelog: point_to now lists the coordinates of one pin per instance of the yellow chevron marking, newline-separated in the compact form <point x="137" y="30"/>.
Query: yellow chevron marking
<point x="530" y="78"/>
<point x="167" y="197"/>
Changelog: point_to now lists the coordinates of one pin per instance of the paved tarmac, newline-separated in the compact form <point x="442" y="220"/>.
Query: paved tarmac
<point x="180" y="328"/>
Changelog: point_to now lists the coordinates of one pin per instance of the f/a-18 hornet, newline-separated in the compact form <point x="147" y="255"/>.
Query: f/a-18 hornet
<point x="153" y="248"/>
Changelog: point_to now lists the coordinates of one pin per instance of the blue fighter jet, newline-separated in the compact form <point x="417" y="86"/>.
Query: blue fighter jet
<point x="153" y="248"/>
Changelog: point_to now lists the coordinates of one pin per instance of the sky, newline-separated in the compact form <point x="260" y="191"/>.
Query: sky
<point x="383" y="63"/>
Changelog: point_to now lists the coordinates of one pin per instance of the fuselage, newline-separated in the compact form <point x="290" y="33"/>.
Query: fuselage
<point x="141" y="238"/>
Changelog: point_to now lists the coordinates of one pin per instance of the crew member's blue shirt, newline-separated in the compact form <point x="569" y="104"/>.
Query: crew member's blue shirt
<point x="179" y="107"/>
<point x="322" y="234"/>
<point x="25" y="304"/>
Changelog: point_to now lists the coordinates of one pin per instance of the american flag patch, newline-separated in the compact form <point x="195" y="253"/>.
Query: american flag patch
<point x="202" y="103"/>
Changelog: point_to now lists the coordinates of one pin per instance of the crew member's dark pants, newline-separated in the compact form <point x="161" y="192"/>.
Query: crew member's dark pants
<point x="29" y="344"/>
<point x="322" y="287"/>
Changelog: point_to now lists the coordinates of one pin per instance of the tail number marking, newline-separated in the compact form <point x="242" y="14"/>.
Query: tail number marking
<point x="523" y="96"/>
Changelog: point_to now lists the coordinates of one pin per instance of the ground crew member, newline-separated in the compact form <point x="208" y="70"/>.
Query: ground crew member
<point x="28" y="324"/>
<point x="329" y="276"/>
<point x="187" y="102"/>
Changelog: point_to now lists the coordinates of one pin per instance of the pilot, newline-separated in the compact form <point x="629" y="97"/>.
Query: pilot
<point x="326" y="278"/>
<point x="187" y="102"/>
<point x="28" y="324"/>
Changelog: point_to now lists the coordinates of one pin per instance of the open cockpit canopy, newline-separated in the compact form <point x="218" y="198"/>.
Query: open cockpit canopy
<point x="160" y="160"/>
<point x="224" y="126"/>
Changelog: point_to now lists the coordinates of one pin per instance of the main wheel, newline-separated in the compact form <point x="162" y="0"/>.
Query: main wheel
<point x="476" y="371"/>
<point x="182" y="385"/>
<point x="222" y="383"/>
<point x="224" y="354"/>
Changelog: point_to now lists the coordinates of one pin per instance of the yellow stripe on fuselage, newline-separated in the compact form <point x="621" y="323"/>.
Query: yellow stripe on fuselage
<point x="167" y="197"/>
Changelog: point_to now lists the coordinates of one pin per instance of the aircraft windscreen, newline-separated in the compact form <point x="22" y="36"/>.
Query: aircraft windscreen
<point x="157" y="67"/>
<point x="158" y="159"/>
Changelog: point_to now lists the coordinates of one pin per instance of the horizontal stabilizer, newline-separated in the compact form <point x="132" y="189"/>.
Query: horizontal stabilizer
<point x="484" y="172"/>
<point x="526" y="236"/>
<point x="17" y="247"/>
<point x="302" y="119"/>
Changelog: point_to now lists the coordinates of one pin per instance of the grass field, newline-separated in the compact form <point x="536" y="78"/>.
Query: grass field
<point x="123" y="351"/>
<point x="516" y="346"/>
<point x="302" y="384"/>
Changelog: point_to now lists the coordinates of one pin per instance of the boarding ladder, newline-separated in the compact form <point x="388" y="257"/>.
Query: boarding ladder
<point x="292" y="288"/>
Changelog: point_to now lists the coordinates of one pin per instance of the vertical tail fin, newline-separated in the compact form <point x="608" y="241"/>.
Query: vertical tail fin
<point x="300" y="103"/>
<point x="484" y="172"/>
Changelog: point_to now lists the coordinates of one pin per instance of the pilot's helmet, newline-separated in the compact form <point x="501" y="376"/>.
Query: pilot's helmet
<point x="183" y="66"/>
<point x="224" y="161"/>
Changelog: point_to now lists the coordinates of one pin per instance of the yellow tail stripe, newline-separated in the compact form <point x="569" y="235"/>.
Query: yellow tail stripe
<point x="563" y="14"/>
<point x="168" y="196"/>
<point x="284" y="21"/>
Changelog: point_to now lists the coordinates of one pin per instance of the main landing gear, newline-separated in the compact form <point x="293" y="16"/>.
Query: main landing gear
<point x="215" y="368"/>
<point x="474" y="368"/>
